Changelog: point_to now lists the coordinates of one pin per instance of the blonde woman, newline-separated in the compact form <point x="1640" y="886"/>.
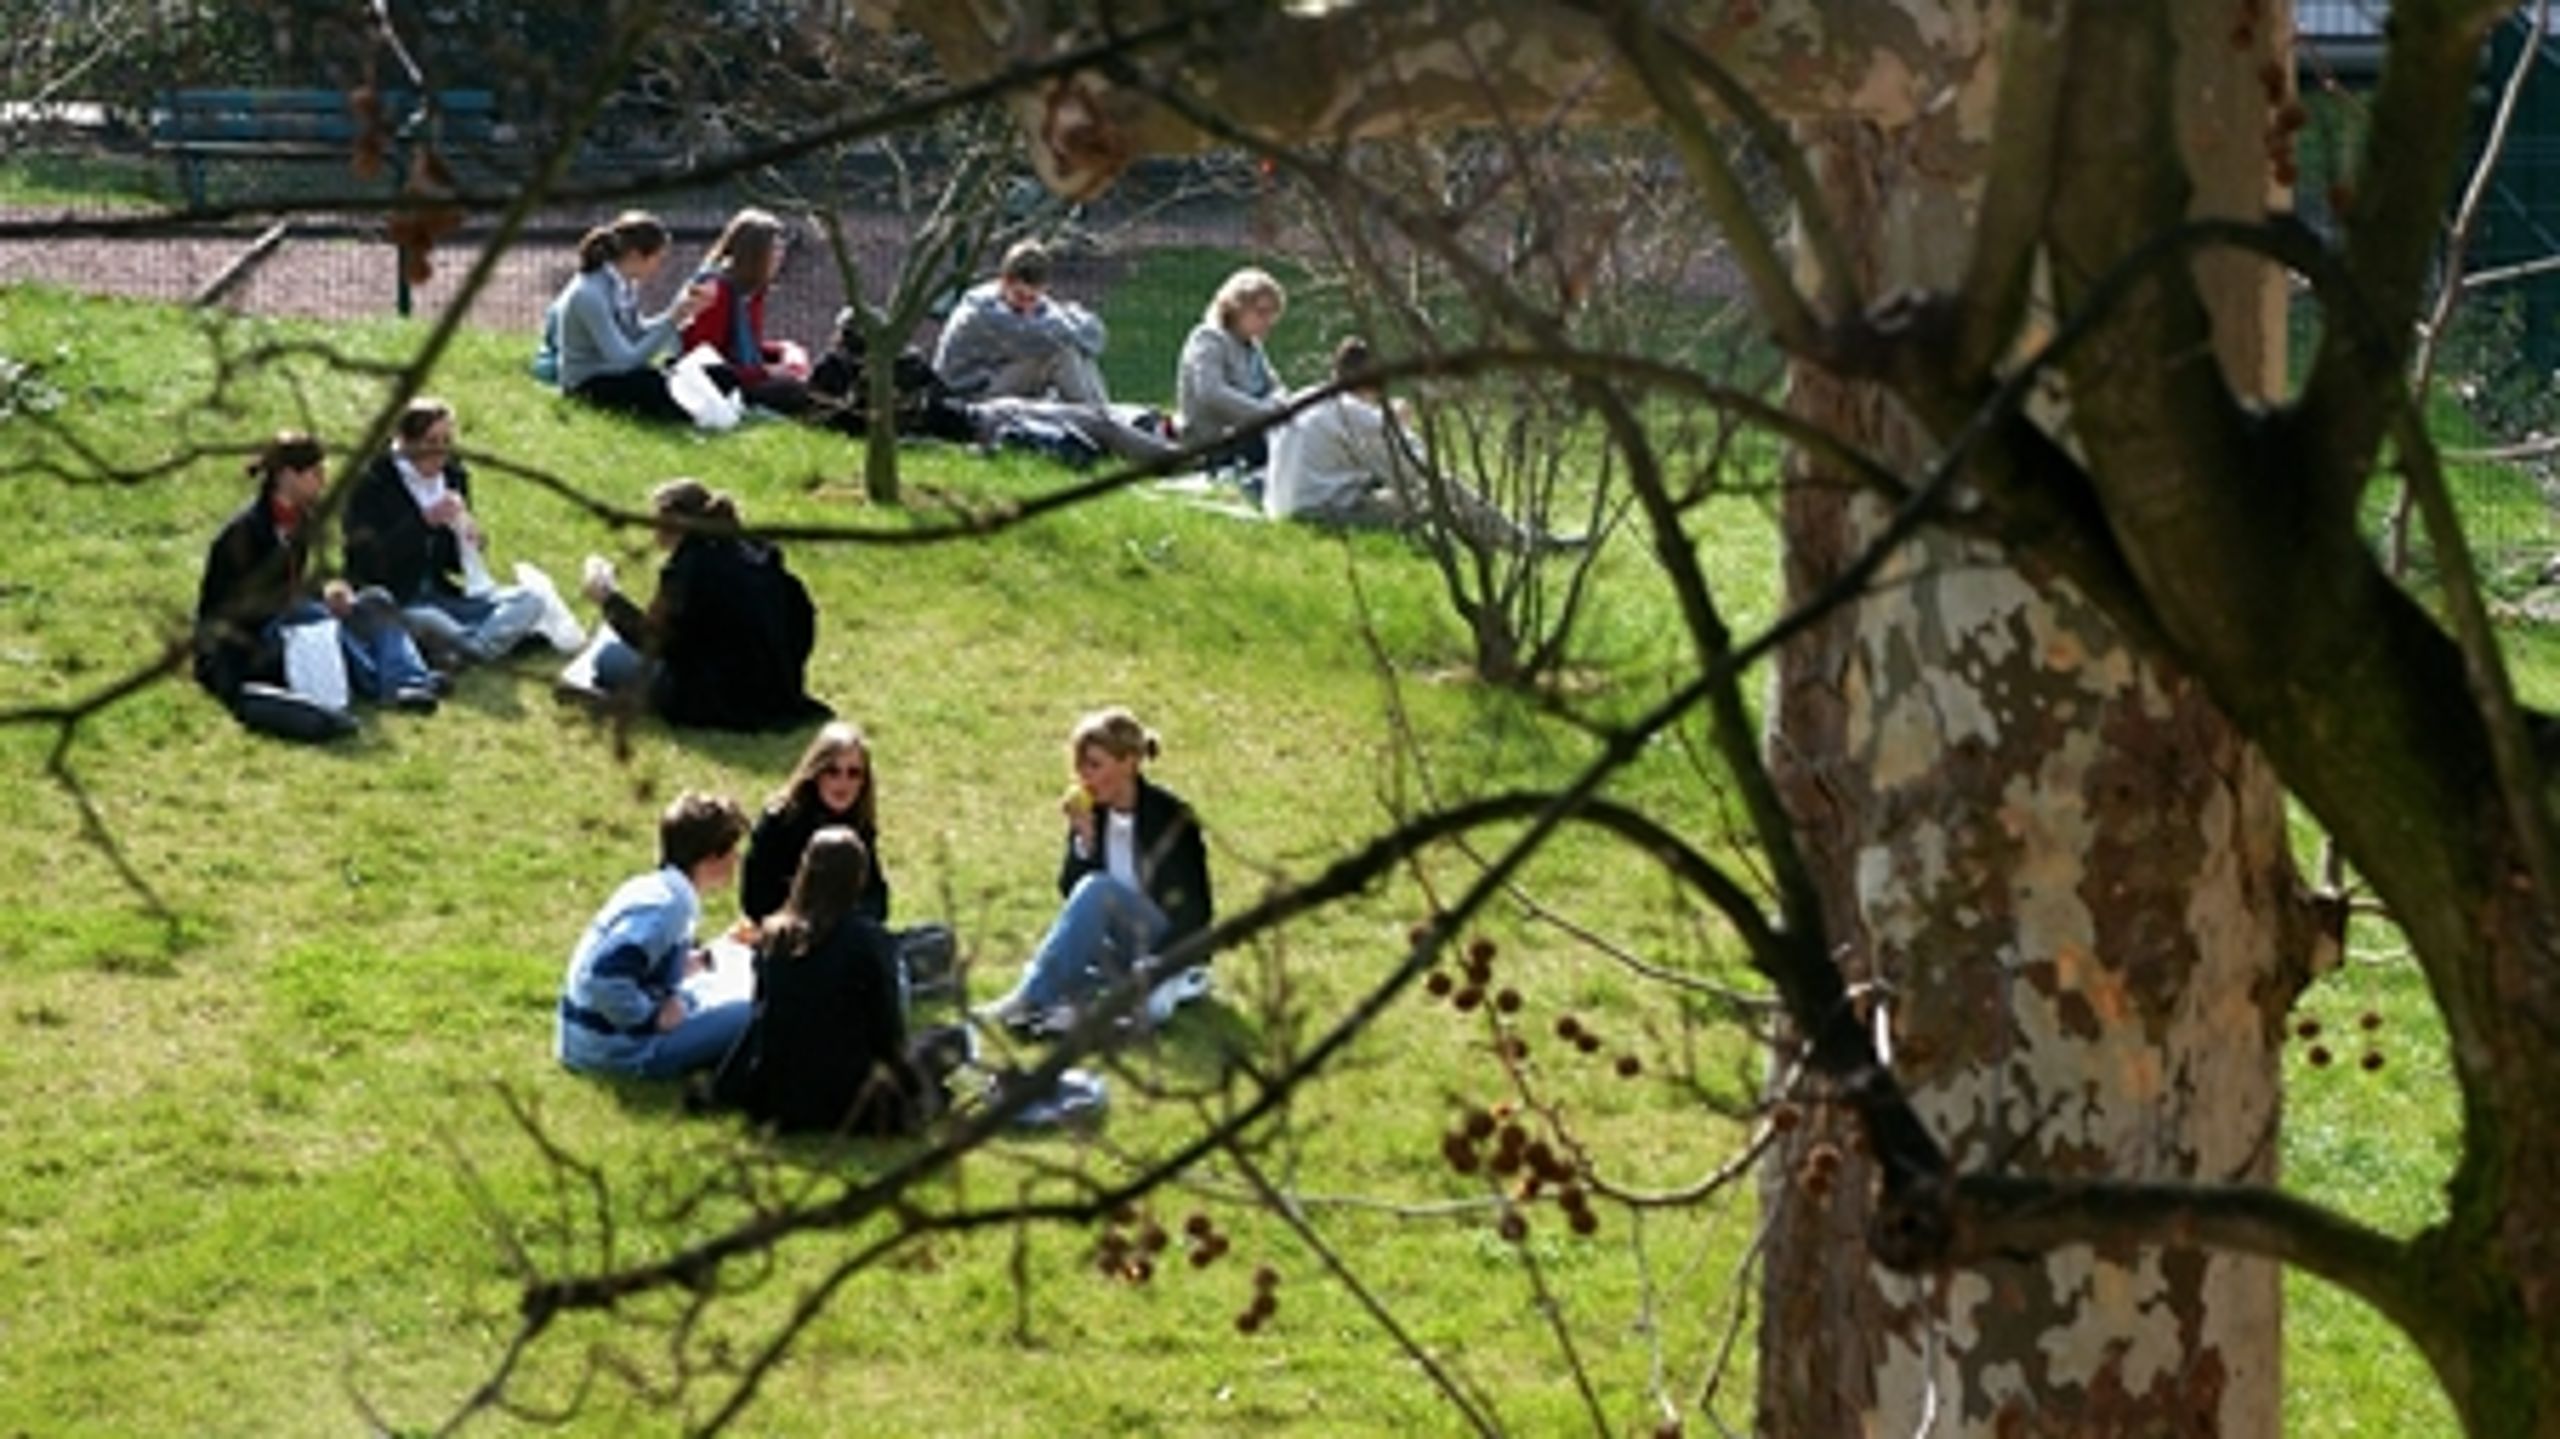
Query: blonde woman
<point x="1225" y="382"/>
<point x="1135" y="879"/>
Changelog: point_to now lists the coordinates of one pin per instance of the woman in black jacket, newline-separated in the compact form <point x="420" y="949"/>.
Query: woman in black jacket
<point x="830" y="786"/>
<point x="1135" y="879"/>
<point x="827" y="1049"/>
<point x="725" y="642"/>
<point x="258" y="583"/>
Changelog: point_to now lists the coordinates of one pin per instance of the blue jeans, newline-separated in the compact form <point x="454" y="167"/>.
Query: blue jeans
<point x="479" y="628"/>
<point x="1101" y="932"/>
<point x="698" y="1043"/>
<point x="618" y="666"/>
<point x="381" y="658"/>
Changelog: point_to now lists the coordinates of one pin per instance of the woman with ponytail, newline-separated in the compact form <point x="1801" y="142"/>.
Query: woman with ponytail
<point x="596" y="345"/>
<point x="725" y="642"/>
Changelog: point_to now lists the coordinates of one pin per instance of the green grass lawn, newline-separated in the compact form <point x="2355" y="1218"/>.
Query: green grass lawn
<point x="264" y="1157"/>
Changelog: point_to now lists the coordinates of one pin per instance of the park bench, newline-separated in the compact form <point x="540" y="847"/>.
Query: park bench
<point x="258" y="127"/>
<point x="196" y="127"/>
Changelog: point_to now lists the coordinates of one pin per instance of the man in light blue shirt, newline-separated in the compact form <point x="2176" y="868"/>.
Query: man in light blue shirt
<point x="624" y="1009"/>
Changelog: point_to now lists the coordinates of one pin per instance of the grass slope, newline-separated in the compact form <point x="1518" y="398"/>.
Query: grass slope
<point x="264" y="1158"/>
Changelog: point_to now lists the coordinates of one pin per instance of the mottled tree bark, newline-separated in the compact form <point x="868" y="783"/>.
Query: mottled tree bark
<point x="2063" y="876"/>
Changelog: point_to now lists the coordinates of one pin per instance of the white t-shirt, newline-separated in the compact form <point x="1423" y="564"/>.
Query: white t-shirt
<point x="1327" y="453"/>
<point x="1120" y="847"/>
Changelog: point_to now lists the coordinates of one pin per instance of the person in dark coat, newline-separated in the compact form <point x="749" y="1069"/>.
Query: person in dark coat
<point x="725" y="643"/>
<point x="831" y="785"/>
<point x="409" y="529"/>
<point x="258" y="582"/>
<point x="827" y="1050"/>
<point x="1135" y="880"/>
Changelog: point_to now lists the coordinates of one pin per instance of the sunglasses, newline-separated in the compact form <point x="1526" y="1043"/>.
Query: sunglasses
<point x="844" y="771"/>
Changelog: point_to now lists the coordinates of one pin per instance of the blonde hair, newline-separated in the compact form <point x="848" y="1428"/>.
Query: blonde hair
<point x="1115" y="732"/>
<point x="1248" y="286"/>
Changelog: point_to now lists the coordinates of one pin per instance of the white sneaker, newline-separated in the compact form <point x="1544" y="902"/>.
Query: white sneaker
<point x="1175" y="991"/>
<point x="1013" y="1011"/>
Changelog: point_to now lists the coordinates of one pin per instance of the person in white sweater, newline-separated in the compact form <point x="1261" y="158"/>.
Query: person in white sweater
<point x="1348" y="460"/>
<point x="1225" y="381"/>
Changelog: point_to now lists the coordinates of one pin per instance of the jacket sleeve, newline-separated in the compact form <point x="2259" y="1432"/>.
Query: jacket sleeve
<point x="1074" y="863"/>
<point x="618" y="985"/>
<point x="588" y="313"/>
<point x="972" y="345"/>
<point x="1078" y="328"/>
<point x="880" y="1035"/>
<point x="1181" y="878"/>
<point x="374" y="521"/>
<point x="710" y="324"/>
<point x="765" y="880"/>
<point x="649" y="631"/>
<point x="873" y="904"/>
<point x="1211" y="400"/>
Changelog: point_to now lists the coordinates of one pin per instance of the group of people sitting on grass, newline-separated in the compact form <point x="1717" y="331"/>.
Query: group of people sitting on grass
<point x="284" y="646"/>
<point x="821" y="1039"/>
<point x="1014" y="364"/>
<point x="724" y="641"/>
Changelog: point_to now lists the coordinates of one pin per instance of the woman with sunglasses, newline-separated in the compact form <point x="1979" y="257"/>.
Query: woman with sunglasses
<point x="831" y="785"/>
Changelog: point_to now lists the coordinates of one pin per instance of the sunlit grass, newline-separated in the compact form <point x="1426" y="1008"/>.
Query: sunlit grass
<point x="252" y="1150"/>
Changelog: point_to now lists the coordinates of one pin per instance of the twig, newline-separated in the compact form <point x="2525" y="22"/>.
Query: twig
<point x="1295" y="1217"/>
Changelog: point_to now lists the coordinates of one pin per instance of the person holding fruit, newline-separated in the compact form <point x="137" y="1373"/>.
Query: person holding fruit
<point x="1135" y="880"/>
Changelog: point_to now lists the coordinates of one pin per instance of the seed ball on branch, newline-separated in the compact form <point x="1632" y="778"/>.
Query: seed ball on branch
<point x="1467" y="998"/>
<point x="1480" y="950"/>
<point x="2371" y="1019"/>
<point x="1629" y="1066"/>
<point x="1198" y="1225"/>
<point x="1584" y="1222"/>
<point x="1513" y="1228"/>
<point x="1265" y="1277"/>
<point x="2372" y="1060"/>
<point x="1567" y="1027"/>
<point x="1480" y="1124"/>
<point x="1439" y="983"/>
<point x="2307" y="1027"/>
<point x="1508" y="1000"/>
<point x="2319" y="1056"/>
<point x="1460" y="1154"/>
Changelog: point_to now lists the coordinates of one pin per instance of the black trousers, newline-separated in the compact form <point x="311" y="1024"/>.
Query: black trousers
<point x="640" y="392"/>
